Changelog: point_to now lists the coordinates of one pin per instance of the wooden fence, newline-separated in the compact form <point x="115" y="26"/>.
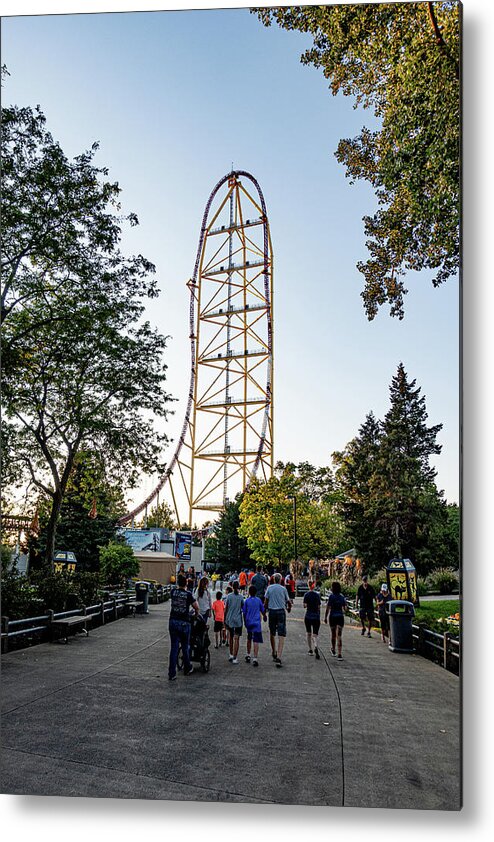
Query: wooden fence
<point x="443" y="649"/>
<point x="32" y="630"/>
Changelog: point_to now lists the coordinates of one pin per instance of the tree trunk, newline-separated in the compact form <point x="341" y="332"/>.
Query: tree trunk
<point x="51" y="529"/>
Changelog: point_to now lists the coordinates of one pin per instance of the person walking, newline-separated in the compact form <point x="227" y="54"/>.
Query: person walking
<point x="233" y="620"/>
<point x="259" y="580"/>
<point x="312" y="620"/>
<point x="382" y="599"/>
<point x="277" y="603"/>
<point x="242" y="581"/>
<point x="365" y="603"/>
<point x="203" y="597"/>
<point x="290" y="585"/>
<point x="179" y="626"/>
<point x="335" y="607"/>
<point x="218" y="609"/>
<point x="253" y="610"/>
<point x="226" y="630"/>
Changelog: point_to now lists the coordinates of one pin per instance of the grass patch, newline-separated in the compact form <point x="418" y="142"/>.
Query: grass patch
<point x="436" y="610"/>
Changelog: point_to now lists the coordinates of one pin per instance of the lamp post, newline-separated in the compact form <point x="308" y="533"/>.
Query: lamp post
<point x="295" y="554"/>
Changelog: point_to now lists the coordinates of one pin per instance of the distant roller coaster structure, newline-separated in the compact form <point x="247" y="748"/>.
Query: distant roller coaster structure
<point x="227" y="435"/>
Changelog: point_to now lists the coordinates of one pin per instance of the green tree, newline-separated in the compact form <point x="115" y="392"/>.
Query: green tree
<point x="315" y="483"/>
<point x="401" y="61"/>
<point x="267" y="521"/>
<point x="161" y="516"/>
<point x="355" y="467"/>
<point x="82" y="369"/>
<point x="389" y="500"/>
<point x="61" y="228"/>
<point x="225" y="545"/>
<point x="78" y="530"/>
<point x="117" y="563"/>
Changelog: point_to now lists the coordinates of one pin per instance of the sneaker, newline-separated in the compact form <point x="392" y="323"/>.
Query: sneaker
<point x="278" y="662"/>
<point x="274" y="656"/>
<point x="216" y="645"/>
<point x="362" y="632"/>
<point x="255" y="662"/>
<point x="247" y="658"/>
<point x="230" y="657"/>
<point x="340" y="657"/>
<point x="310" y="652"/>
<point x="369" y="634"/>
<point x="189" y="672"/>
<point x="172" y="678"/>
<point x="316" y="653"/>
<point x="333" y="652"/>
<point x="235" y="661"/>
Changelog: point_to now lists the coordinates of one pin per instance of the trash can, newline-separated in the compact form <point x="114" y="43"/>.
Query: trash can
<point x="142" y="594"/>
<point x="401" y="614"/>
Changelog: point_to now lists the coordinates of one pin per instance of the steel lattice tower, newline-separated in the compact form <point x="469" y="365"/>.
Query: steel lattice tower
<point x="227" y="435"/>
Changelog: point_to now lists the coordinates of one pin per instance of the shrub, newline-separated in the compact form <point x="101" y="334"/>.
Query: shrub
<point x="117" y="563"/>
<point x="443" y="579"/>
<point x="20" y="599"/>
<point x="53" y="588"/>
<point x="86" y="585"/>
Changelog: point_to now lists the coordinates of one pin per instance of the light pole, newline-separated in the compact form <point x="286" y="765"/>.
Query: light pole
<point x="294" y="526"/>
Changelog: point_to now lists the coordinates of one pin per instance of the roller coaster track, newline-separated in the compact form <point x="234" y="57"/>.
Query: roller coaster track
<point x="249" y="285"/>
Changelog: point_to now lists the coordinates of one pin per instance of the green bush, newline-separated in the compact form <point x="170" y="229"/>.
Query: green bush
<point x="53" y="588"/>
<point x="20" y="599"/>
<point x="87" y="585"/>
<point x="443" y="579"/>
<point x="117" y="563"/>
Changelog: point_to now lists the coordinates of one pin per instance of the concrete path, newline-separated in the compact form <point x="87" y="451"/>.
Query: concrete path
<point x="98" y="718"/>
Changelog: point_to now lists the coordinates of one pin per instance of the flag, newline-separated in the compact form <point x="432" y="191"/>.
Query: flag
<point x="92" y="513"/>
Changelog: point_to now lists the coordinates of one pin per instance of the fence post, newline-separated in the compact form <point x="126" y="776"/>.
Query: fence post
<point x="114" y="608"/>
<point x="421" y="640"/>
<point x="5" y="631"/>
<point x="102" y="612"/>
<point x="446" y="647"/>
<point x="50" y="613"/>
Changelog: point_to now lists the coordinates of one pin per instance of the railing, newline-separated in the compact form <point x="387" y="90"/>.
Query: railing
<point x="443" y="649"/>
<point x="109" y="608"/>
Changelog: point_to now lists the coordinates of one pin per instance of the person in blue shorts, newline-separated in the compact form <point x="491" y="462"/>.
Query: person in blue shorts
<point x="253" y="610"/>
<point x="335" y="607"/>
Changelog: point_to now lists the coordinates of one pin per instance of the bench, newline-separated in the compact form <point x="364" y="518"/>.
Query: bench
<point x="66" y="624"/>
<point x="133" y="604"/>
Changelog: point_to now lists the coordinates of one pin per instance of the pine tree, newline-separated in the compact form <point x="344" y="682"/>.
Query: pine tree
<point x="405" y="500"/>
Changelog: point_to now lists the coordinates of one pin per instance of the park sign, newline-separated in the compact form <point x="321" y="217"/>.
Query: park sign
<point x="402" y="580"/>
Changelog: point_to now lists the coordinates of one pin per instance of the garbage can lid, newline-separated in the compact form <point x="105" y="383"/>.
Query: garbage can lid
<point x="400" y="606"/>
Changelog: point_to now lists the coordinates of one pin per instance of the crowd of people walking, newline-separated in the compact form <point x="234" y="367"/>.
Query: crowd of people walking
<point x="253" y="598"/>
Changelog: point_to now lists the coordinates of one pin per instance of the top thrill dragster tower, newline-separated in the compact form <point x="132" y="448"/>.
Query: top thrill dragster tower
<point x="227" y="435"/>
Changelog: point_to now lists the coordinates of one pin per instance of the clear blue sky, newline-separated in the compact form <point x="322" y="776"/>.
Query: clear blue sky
<point x="174" y="98"/>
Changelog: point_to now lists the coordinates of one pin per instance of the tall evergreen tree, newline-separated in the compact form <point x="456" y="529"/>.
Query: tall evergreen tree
<point x="389" y="500"/>
<point x="403" y="486"/>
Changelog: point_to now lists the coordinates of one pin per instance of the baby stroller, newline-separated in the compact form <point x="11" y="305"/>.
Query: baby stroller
<point x="199" y="645"/>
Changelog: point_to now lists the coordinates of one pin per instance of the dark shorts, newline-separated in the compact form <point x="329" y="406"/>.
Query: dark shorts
<point x="218" y="625"/>
<point x="235" y="632"/>
<point x="384" y="620"/>
<point x="312" y="625"/>
<point x="339" y="620"/>
<point x="366" y="613"/>
<point x="256" y="636"/>
<point x="277" y="622"/>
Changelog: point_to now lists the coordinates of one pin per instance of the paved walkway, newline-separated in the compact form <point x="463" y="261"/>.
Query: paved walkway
<point x="98" y="718"/>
